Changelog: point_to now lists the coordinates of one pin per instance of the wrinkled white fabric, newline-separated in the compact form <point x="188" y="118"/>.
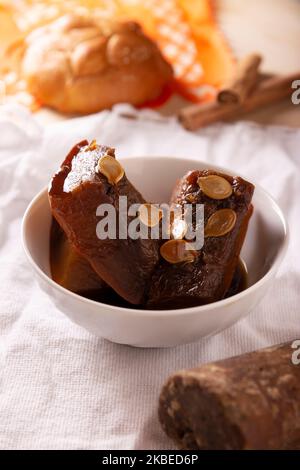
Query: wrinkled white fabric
<point x="61" y="387"/>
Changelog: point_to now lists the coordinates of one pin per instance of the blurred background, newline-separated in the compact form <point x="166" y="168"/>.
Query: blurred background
<point x="201" y="39"/>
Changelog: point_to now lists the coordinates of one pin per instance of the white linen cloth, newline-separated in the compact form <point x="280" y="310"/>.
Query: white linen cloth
<point x="63" y="388"/>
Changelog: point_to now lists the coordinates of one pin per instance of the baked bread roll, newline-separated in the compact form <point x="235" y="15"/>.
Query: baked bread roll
<point x="79" y="65"/>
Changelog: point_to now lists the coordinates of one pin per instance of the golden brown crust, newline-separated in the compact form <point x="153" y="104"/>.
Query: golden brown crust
<point x="77" y="65"/>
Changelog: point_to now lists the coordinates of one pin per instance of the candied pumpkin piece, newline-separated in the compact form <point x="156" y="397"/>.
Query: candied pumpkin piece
<point x="68" y="268"/>
<point x="206" y="277"/>
<point x="87" y="179"/>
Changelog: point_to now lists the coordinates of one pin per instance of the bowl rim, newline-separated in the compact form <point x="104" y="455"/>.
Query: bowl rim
<point x="169" y="312"/>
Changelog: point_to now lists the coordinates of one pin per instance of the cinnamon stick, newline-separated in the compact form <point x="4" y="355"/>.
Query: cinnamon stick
<point x="242" y="82"/>
<point x="245" y="402"/>
<point x="267" y="92"/>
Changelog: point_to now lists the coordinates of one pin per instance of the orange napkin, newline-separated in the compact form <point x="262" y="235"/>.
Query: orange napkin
<point x="190" y="39"/>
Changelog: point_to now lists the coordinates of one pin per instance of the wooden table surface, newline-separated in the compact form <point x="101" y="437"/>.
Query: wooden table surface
<point x="271" y="27"/>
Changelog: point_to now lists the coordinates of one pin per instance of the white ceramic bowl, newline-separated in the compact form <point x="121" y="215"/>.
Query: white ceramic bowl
<point x="263" y="251"/>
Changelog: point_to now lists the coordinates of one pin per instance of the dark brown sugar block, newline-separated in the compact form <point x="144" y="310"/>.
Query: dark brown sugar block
<point x="208" y="277"/>
<point x="246" y="402"/>
<point x="70" y="269"/>
<point x="82" y="184"/>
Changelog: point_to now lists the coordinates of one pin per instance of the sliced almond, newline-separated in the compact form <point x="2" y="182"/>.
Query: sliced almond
<point x="214" y="186"/>
<point x="91" y="146"/>
<point x="150" y="214"/>
<point x="111" y="168"/>
<point x="220" y="223"/>
<point x="179" y="228"/>
<point x="177" y="251"/>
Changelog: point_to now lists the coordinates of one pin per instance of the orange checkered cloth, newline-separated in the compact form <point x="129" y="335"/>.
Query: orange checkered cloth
<point x="190" y="39"/>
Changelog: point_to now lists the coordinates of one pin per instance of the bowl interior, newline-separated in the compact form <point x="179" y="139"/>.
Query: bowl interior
<point x="155" y="178"/>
